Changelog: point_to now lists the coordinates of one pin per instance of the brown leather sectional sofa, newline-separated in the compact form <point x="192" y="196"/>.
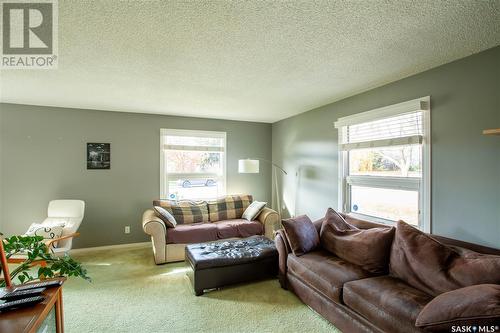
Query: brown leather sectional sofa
<point x="348" y="296"/>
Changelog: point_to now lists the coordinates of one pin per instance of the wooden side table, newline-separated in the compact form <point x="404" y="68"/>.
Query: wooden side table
<point x="46" y="316"/>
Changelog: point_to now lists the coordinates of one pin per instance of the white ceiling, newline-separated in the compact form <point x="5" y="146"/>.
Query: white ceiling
<point x="245" y="60"/>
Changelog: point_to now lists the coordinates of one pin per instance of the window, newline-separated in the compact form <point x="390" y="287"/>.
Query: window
<point x="384" y="164"/>
<point x="192" y="164"/>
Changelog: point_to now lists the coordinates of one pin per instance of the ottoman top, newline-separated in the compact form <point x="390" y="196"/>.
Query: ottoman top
<point x="230" y="252"/>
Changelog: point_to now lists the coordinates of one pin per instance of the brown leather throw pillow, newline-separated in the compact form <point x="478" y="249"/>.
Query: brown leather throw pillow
<point x="301" y="234"/>
<point x="477" y="305"/>
<point x="435" y="268"/>
<point x="367" y="248"/>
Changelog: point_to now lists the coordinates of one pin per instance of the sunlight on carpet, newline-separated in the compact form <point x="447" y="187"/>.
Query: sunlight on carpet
<point x="129" y="293"/>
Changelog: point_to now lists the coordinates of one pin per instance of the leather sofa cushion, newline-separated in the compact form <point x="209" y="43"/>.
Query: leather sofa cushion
<point x="477" y="305"/>
<point x="238" y="228"/>
<point x="301" y="234"/>
<point x="387" y="302"/>
<point x="318" y="223"/>
<point x="324" y="272"/>
<point x="435" y="268"/>
<point x="192" y="233"/>
<point x="368" y="248"/>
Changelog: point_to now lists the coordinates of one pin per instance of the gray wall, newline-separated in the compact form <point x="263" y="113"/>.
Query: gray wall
<point x="43" y="157"/>
<point x="465" y="99"/>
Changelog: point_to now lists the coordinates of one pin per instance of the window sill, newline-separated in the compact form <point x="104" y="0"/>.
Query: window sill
<point x="375" y="219"/>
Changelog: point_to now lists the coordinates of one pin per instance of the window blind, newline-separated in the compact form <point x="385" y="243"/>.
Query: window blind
<point x="194" y="148"/>
<point x="194" y="143"/>
<point x="396" y="130"/>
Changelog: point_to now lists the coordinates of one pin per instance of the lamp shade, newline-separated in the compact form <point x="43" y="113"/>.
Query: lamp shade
<point x="248" y="166"/>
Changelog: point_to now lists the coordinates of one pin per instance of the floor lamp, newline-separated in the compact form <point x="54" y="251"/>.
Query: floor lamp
<point x="251" y="165"/>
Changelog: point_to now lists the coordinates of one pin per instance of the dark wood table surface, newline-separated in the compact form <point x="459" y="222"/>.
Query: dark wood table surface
<point x="29" y="319"/>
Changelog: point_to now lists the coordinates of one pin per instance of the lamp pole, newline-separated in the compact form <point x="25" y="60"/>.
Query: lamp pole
<point x="275" y="175"/>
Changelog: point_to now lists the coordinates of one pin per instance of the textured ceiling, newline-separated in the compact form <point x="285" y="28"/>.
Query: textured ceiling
<point x="245" y="60"/>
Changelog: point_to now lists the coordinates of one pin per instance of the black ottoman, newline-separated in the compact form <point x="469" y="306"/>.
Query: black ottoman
<point x="225" y="262"/>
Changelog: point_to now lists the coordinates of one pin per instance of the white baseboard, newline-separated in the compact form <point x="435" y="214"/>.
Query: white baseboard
<point x="110" y="247"/>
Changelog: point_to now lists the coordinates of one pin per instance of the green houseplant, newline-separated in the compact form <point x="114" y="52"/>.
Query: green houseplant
<point x="34" y="249"/>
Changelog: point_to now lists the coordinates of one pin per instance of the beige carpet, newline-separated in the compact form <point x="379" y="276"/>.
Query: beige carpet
<point x="129" y="293"/>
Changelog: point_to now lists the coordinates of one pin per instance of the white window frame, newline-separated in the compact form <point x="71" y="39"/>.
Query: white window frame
<point x="164" y="132"/>
<point x="422" y="185"/>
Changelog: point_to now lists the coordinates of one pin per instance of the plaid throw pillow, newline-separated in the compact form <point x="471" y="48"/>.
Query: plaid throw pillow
<point x="185" y="211"/>
<point x="228" y="207"/>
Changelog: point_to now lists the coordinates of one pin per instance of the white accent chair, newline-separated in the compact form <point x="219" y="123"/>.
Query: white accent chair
<point x="70" y="212"/>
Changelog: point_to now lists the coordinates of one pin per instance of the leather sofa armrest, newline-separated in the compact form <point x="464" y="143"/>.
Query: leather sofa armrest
<point x="271" y="221"/>
<point x="155" y="227"/>
<point x="283" y="248"/>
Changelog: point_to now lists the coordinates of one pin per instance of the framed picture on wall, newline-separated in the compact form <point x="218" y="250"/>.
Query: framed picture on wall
<point x="98" y="156"/>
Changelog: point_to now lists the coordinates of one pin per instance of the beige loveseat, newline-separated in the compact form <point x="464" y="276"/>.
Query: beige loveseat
<point x="169" y="243"/>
